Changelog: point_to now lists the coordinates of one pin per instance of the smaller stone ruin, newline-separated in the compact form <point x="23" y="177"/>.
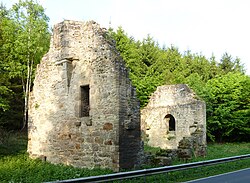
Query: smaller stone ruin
<point x="175" y="119"/>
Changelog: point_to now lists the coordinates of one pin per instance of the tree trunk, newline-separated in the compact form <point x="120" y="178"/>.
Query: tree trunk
<point x="28" y="85"/>
<point x="26" y="97"/>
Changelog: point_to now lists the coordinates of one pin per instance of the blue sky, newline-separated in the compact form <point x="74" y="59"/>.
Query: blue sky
<point x="202" y="26"/>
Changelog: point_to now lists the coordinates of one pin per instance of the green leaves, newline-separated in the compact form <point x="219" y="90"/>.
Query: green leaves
<point x="24" y="37"/>
<point x="4" y="102"/>
<point x="222" y="84"/>
<point x="228" y="105"/>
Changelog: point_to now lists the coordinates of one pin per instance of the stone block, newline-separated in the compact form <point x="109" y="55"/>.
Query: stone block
<point x="163" y="161"/>
<point x="108" y="126"/>
<point x="184" y="154"/>
<point x="108" y="142"/>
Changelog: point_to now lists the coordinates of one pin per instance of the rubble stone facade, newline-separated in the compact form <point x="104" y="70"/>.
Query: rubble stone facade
<point x="175" y="113"/>
<point x="83" y="110"/>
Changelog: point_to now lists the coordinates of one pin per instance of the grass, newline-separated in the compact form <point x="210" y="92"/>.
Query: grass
<point x="20" y="168"/>
<point x="214" y="151"/>
<point x="16" y="166"/>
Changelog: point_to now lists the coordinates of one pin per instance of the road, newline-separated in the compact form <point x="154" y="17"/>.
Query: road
<point x="240" y="176"/>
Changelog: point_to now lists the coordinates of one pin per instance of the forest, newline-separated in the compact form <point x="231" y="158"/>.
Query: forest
<point x="221" y="83"/>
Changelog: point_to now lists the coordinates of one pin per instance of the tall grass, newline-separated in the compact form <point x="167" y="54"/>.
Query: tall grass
<point x="16" y="166"/>
<point x="20" y="168"/>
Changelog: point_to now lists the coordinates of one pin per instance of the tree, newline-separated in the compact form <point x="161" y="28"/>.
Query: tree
<point x="149" y="51"/>
<point x="228" y="107"/>
<point x="222" y="85"/>
<point x="8" y="102"/>
<point x="229" y="64"/>
<point x="26" y="39"/>
<point x="4" y="79"/>
<point x="129" y="50"/>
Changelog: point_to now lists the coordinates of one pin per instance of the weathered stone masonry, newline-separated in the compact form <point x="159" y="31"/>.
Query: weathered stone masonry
<point x="175" y="118"/>
<point x="83" y="108"/>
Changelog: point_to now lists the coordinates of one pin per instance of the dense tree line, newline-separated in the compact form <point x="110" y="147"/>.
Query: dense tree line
<point x="222" y="84"/>
<point x="24" y="39"/>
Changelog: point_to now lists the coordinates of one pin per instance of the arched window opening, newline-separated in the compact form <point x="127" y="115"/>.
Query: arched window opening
<point x="170" y="122"/>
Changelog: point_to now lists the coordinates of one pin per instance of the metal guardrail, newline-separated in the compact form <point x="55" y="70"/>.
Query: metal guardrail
<point x="151" y="171"/>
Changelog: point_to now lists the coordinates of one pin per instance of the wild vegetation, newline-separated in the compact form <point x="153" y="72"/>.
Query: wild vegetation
<point x="223" y="84"/>
<point x="24" y="37"/>
<point x="16" y="166"/>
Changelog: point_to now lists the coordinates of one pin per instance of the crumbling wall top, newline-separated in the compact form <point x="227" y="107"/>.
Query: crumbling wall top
<point x="69" y="38"/>
<point x="170" y="95"/>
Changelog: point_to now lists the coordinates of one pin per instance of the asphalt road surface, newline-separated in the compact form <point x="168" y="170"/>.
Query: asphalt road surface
<point x="240" y="176"/>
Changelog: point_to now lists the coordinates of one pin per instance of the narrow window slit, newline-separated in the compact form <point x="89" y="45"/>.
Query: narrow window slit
<point x="84" y="101"/>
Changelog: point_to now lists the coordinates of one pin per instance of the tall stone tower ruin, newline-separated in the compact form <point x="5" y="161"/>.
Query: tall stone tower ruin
<point x="83" y="108"/>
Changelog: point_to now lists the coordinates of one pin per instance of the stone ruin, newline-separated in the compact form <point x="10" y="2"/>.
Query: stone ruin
<point x="83" y="110"/>
<point x="175" y="119"/>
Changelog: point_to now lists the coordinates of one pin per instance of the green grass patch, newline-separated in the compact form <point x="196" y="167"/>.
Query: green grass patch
<point x="214" y="151"/>
<point x="21" y="168"/>
<point x="16" y="166"/>
<point x="152" y="150"/>
<point x="222" y="150"/>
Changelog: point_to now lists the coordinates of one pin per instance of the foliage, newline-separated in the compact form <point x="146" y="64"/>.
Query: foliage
<point x="214" y="151"/>
<point x="151" y="66"/>
<point x="228" y="107"/>
<point x="4" y="90"/>
<point x="4" y="102"/>
<point x="151" y="150"/>
<point x="25" y="38"/>
<point x="21" y="168"/>
<point x="16" y="166"/>
<point x="228" y="64"/>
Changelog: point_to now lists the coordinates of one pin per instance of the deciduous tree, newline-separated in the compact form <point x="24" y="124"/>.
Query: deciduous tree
<point x="228" y="107"/>
<point x="25" y="39"/>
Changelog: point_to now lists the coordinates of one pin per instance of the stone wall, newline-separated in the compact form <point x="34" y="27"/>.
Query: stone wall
<point x="173" y="112"/>
<point x="83" y="108"/>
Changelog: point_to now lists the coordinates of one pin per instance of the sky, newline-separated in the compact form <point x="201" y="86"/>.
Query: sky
<point x="207" y="27"/>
